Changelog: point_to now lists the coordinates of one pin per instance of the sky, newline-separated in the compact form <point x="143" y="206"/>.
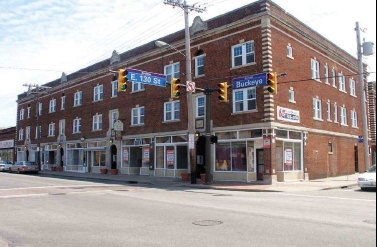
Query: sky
<point x="41" y="39"/>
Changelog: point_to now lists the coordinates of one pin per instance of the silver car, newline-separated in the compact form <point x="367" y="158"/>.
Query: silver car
<point x="5" y="166"/>
<point x="25" y="167"/>
<point x="367" y="180"/>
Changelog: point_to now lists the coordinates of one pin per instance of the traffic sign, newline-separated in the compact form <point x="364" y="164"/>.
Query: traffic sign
<point x="190" y="86"/>
<point x="250" y="81"/>
<point x="146" y="77"/>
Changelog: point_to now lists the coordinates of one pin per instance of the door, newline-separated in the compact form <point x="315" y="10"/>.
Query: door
<point x="356" y="159"/>
<point x="260" y="164"/>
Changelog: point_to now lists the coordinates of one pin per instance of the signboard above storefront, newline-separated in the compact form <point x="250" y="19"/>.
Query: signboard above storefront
<point x="288" y="115"/>
<point x="6" y="144"/>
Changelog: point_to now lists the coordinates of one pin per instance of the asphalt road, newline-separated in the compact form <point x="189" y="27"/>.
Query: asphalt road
<point x="47" y="212"/>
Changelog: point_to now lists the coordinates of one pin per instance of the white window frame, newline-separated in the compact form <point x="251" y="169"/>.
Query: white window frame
<point x="40" y="107"/>
<point x="329" y="111"/>
<point x="63" y="98"/>
<point x="22" y="114"/>
<point x="354" y="119"/>
<point x="28" y="133"/>
<point x="51" y="129"/>
<point x="200" y="105"/>
<point x="327" y="74"/>
<point x="114" y="89"/>
<point x="333" y="73"/>
<point x="342" y="82"/>
<point x="78" y="99"/>
<point x="28" y="112"/>
<point x="172" y="71"/>
<point x="245" y="100"/>
<point x="291" y="95"/>
<point x="240" y="51"/>
<point x="52" y="106"/>
<point x="113" y="118"/>
<point x="97" y="122"/>
<point x="335" y="113"/>
<point x="175" y="109"/>
<point x="199" y="63"/>
<point x="21" y="135"/>
<point x="77" y="126"/>
<point x="138" y="86"/>
<point x="352" y="87"/>
<point x="315" y="70"/>
<point x="317" y="109"/>
<point x="62" y="127"/>
<point x="98" y="93"/>
<point x="138" y="114"/>
<point x="289" y="51"/>
<point x="343" y="116"/>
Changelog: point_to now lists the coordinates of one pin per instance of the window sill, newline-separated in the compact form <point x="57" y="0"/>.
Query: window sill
<point x="242" y="66"/>
<point x="290" y="57"/>
<point x="342" y="91"/>
<point x="76" y="133"/>
<point x="137" y="125"/>
<point x="344" y="125"/>
<point x="353" y="96"/>
<point x="96" y="101"/>
<point x="171" y="121"/>
<point x="318" y="119"/>
<point x="138" y="91"/>
<point x="77" y="105"/>
<point x="96" y="130"/>
<point x="329" y="120"/>
<point x="355" y="127"/>
<point x="244" y="112"/>
<point x="199" y="76"/>
<point x="292" y="101"/>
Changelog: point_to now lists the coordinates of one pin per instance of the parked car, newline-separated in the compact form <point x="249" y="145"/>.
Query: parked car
<point x="5" y="165"/>
<point x="25" y="167"/>
<point x="367" y="180"/>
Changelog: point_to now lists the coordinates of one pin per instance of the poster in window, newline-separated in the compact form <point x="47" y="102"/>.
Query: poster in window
<point x="125" y="154"/>
<point x="288" y="157"/>
<point x="170" y="157"/>
<point x="146" y="154"/>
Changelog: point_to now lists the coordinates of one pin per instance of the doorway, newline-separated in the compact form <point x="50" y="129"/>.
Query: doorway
<point x="113" y="157"/>
<point x="27" y="155"/>
<point x="260" y="164"/>
<point x="356" y="159"/>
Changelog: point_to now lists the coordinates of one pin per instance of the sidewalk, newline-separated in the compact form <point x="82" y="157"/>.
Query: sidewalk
<point x="314" y="185"/>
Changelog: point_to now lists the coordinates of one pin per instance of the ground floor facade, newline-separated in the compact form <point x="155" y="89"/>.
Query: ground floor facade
<point x="265" y="153"/>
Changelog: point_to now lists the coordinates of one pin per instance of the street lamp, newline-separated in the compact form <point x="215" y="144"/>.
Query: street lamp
<point x="163" y="44"/>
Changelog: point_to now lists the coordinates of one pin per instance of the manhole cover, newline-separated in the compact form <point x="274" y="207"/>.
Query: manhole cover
<point x="373" y="222"/>
<point x="207" y="223"/>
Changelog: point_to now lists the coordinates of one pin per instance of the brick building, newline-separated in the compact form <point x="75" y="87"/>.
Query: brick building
<point x="309" y="129"/>
<point x="7" y="141"/>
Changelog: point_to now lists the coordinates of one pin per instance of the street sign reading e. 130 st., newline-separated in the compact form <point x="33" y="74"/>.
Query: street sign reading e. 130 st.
<point x="146" y="77"/>
<point x="250" y="81"/>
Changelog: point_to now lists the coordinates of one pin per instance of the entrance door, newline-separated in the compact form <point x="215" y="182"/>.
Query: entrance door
<point x="113" y="157"/>
<point x="356" y="159"/>
<point x="260" y="164"/>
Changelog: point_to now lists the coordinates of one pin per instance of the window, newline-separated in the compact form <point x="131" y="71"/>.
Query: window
<point x="22" y="114"/>
<point x="243" y="54"/>
<point x="327" y="74"/>
<point x="114" y="89"/>
<point x="342" y="82"/>
<point x="172" y="110"/>
<point x="52" y="105"/>
<point x="97" y="122"/>
<point x="28" y="112"/>
<point x="138" y="86"/>
<point x="113" y="118"/>
<point x="172" y="71"/>
<point x="315" y="70"/>
<point x="335" y="113"/>
<point x="199" y="65"/>
<point x="21" y="135"/>
<point x="200" y="106"/>
<point x="62" y="103"/>
<point x="245" y="100"/>
<point x="27" y="133"/>
<point x="40" y="109"/>
<point x="62" y="127"/>
<point x="78" y="99"/>
<point x="77" y="125"/>
<point x="98" y="93"/>
<point x="354" y="118"/>
<point x="328" y="111"/>
<point x="231" y="156"/>
<point x="343" y="116"/>
<point x="138" y="116"/>
<point x="333" y="75"/>
<point x="352" y="87"/>
<point x="51" y="129"/>
<point x="289" y="51"/>
<point x="291" y="94"/>
<point x="38" y="133"/>
<point x="317" y="109"/>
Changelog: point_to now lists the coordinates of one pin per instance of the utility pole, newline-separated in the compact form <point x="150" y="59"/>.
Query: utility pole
<point x="190" y="109"/>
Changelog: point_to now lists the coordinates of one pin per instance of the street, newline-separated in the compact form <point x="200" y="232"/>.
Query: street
<point x="38" y="211"/>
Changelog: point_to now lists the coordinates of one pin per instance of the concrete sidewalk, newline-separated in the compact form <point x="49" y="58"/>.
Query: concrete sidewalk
<point x="314" y="185"/>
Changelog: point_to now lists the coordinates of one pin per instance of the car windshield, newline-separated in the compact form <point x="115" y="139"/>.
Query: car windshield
<point x="372" y="169"/>
<point x="30" y="163"/>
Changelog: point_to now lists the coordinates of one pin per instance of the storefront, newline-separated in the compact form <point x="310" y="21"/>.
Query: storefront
<point x="137" y="156"/>
<point x="7" y="150"/>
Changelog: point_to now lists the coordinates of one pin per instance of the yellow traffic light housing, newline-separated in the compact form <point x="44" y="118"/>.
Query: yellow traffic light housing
<point x="272" y="83"/>
<point x="122" y="80"/>
<point x="223" y="91"/>
<point x="175" y="88"/>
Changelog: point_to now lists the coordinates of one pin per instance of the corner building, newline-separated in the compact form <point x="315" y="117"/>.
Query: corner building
<point x="308" y="130"/>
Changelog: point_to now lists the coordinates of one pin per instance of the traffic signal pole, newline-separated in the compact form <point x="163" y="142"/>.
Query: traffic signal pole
<point x="208" y="152"/>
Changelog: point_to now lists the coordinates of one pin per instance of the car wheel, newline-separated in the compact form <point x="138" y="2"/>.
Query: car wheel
<point x="18" y="172"/>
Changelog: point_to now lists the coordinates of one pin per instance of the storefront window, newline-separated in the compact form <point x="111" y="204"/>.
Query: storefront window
<point x="126" y="157"/>
<point x="182" y="158"/>
<point x="226" y="135"/>
<point x="250" y="134"/>
<point x="282" y="134"/>
<point x="239" y="157"/>
<point x="292" y="156"/>
<point x="295" y="135"/>
<point x="99" y="158"/>
<point x="75" y="157"/>
<point x="223" y="161"/>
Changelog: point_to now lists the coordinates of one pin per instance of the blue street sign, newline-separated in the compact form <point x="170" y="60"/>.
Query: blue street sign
<point x="250" y="81"/>
<point x="146" y="77"/>
<point x="361" y="139"/>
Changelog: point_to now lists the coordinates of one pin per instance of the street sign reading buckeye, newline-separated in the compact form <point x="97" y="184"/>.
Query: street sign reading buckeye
<point x="250" y="81"/>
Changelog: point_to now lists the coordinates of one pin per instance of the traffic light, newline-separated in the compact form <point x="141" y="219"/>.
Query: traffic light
<point x="223" y="91"/>
<point x="122" y="80"/>
<point x="175" y="88"/>
<point x="272" y="83"/>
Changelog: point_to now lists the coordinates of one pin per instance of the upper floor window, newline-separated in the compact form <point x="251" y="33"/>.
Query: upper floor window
<point x="97" y="122"/>
<point x="138" y="86"/>
<point x="114" y="89"/>
<point x="326" y="70"/>
<point x="315" y="70"/>
<point x="352" y="87"/>
<point x="342" y="82"/>
<point x="138" y="116"/>
<point x="245" y="100"/>
<point x="343" y="116"/>
<point x="335" y="113"/>
<point x="51" y="129"/>
<point x="21" y="135"/>
<point x="354" y="118"/>
<point x="28" y="133"/>
<point x="52" y="105"/>
<point x="172" y="71"/>
<point x="243" y="54"/>
<point x="22" y="114"/>
<point x="62" y="127"/>
<point x="291" y="95"/>
<point x="172" y="110"/>
<point x="289" y="51"/>
<point x="78" y="99"/>
<point x="113" y="118"/>
<point x="317" y="109"/>
<point x="62" y="103"/>
<point x="199" y="64"/>
<point x="333" y="77"/>
<point x="98" y="93"/>
<point x="40" y="107"/>
<point x="200" y="106"/>
<point x="28" y="112"/>
<point x="328" y="111"/>
<point x="77" y="125"/>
